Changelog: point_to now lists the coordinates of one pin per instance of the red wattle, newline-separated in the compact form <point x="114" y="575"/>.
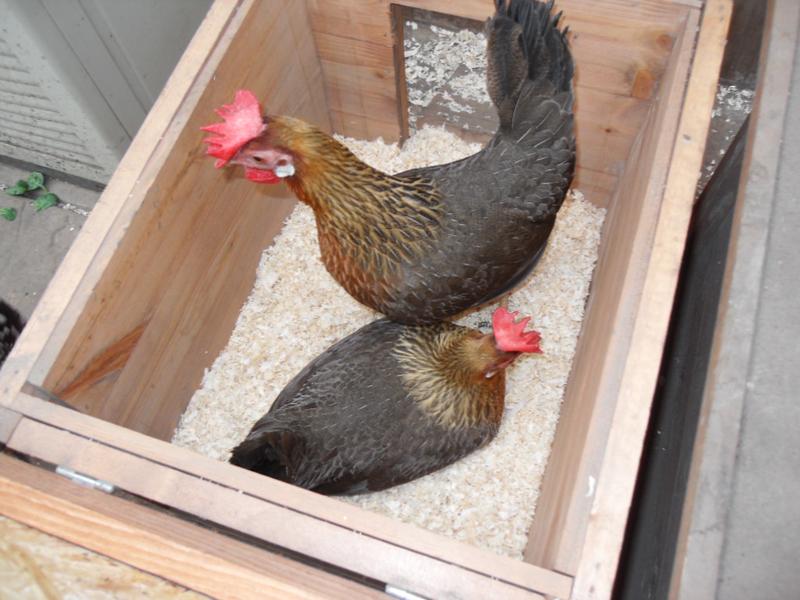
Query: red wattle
<point x="261" y="175"/>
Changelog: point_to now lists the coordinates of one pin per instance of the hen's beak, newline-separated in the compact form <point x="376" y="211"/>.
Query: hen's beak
<point x="280" y="163"/>
<point x="264" y="165"/>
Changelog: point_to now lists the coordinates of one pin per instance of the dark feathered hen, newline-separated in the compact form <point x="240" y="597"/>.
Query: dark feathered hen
<point x="427" y="244"/>
<point x="386" y="405"/>
<point x="11" y="325"/>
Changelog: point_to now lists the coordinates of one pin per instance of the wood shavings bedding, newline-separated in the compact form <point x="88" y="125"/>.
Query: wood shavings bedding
<point x="296" y="310"/>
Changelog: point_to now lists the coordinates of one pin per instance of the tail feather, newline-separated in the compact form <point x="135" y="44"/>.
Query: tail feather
<point x="525" y="44"/>
<point x="266" y="452"/>
<point x="545" y="45"/>
<point x="278" y="454"/>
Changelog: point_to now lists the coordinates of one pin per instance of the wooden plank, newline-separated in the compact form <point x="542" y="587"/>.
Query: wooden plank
<point x="36" y="564"/>
<point x="598" y="562"/>
<point x="154" y="467"/>
<point x="602" y="34"/>
<point x="691" y="3"/>
<point x="154" y="542"/>
<point x="608" y="64"/>
<point x="651" y="542"/>
<point x="597" y="187"/>
<point x="9" y="420"/>
<point x="342" y="50"/>
<point x="180" y="243"/>
<point x="366" y="20"/>
<point x="623" y="12"/>
<point x="364" y="128"/>
<point x="308" y="60"/>
<point x="654" y="545"/>
<point x="361" y="90"/>
<point x="605" y="128"/>
<point x="398" y="20"/>
<point x="563" y="515"/>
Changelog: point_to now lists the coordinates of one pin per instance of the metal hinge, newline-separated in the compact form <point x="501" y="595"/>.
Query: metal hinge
<point x="396" y="592"/>
<point x="85" y="480"/>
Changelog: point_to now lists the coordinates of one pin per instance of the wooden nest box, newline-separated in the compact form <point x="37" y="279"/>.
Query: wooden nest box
<point x="149" y="293"/>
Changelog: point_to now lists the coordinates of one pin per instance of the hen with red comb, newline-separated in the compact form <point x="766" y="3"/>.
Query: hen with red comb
<point x="386" y="405"/>
<point x="427" y="244"/>
<point x="242" y="122"/>
<point x="510" y="334"/>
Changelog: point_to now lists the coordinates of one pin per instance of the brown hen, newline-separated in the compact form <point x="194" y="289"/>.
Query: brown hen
<point x="427" y="244"/>
<point x="388" y="404"/>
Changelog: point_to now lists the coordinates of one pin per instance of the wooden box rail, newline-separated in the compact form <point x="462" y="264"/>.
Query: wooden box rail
<point x="148" y="295"/>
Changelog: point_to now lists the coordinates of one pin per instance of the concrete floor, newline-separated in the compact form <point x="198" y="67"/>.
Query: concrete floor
<point x="33" y="245"/>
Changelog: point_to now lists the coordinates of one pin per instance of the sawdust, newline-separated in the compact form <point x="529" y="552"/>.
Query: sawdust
<point x="487" y="499"/>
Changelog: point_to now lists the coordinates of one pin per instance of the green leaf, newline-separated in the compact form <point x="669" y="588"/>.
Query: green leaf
<point x="35" y="181"/>
<point x="45" y="201"/>
<point x="8" y="213"/>
<point x="18" y="189"/>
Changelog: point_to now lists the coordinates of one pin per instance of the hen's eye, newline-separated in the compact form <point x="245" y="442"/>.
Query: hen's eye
<point x="258" y="159"/>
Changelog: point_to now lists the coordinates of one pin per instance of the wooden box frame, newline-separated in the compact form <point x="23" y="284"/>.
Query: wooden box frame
<point x="149" y="292"/>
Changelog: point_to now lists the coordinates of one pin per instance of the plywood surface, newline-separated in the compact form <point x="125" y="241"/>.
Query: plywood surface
<point x="34" y="564"/>
<point x="151" y="541"/>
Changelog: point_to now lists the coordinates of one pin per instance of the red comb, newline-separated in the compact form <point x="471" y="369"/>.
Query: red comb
<point x="511" y="336"/>
<point x="242" y="123"/>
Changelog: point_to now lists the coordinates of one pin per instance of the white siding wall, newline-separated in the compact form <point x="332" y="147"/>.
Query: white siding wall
<point x="77" y="77"/>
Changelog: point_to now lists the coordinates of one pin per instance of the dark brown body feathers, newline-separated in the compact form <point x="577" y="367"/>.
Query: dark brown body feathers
<point x="384" y="406"/>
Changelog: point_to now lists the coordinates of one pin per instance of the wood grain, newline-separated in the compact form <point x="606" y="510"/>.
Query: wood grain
<point x="38" y="565"/>
<point x="597" y="187"/>
<point x="283" y="515"/>
<point x="596" y="571"/>
<point x="154" y="542"/>
<point x="606" y="126"/>
<point x="563" y="510"/>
